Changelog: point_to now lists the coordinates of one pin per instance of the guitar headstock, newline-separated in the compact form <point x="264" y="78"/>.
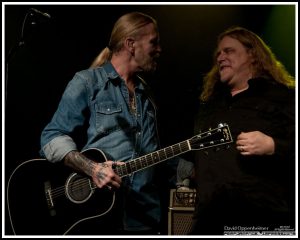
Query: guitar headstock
<point x="211" y="138"/>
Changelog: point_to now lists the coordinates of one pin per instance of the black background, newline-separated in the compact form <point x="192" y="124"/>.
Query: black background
<point x="54" y="49"/>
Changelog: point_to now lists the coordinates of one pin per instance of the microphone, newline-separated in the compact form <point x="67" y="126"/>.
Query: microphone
<point x="47" y="15"/>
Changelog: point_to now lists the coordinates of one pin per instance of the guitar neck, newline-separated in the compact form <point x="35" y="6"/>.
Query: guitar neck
<point x="153" y="158"/>
<point x="211" y="138"/>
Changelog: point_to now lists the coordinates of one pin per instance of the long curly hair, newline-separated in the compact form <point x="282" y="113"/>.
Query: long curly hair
<point x="265" y="62"/>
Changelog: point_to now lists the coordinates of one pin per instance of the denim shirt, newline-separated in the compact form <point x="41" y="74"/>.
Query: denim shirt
<point x="101" y="97"/>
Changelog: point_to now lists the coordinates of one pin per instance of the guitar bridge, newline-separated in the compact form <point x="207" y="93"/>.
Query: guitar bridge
<point x="49" y="199"/>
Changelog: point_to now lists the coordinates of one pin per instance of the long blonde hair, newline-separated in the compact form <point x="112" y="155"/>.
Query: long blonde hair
<point x="128" y="25"/>
<point x="265" y="64"/>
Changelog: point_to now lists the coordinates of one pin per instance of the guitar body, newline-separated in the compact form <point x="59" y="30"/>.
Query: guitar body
<point x="33" y="212"/>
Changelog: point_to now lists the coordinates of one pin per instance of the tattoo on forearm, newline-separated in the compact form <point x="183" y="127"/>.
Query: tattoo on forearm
<point x="79" y="162"/>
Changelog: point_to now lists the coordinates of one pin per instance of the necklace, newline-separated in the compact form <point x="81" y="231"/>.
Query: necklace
<point x="132" y="103"/>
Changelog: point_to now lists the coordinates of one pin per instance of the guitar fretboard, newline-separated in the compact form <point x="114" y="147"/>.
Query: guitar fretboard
<point x="152" y="158"/>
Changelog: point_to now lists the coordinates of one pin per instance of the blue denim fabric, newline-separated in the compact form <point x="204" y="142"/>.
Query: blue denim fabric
<point x="102" y="95"/>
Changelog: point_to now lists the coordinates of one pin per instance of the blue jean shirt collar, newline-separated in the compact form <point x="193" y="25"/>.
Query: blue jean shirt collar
<point x="110" y="71"/>
<point x="112" y="74"/>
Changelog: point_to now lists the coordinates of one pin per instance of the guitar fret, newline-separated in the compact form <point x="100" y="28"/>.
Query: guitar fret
<point x="184" y="146"/>
<point x="176" y="149"/>
<point x="133" y="165"/>
<point x="143" y="161"/>
<point x="130" y="166"/>
<point x="138" y="163"/>
<point x="169" y="152"/>
<point x="127" y="166"/>
<point x="121" y="170"/>
<point x="162" y="154"/>
<point x="155" y="157"/>
<point x="148" y="158"/>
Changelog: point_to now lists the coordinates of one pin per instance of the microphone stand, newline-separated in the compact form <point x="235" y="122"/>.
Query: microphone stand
<point x="14" y="50"/>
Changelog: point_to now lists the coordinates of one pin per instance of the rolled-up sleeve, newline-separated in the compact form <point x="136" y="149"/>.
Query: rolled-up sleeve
<point x="58" y="148"/>
<point x="57" y="137"/>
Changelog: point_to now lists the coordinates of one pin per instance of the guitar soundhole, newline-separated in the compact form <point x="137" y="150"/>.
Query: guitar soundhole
<point x="78" y="188"/>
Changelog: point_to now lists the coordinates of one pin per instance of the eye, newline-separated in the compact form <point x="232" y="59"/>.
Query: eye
<point x="229" y="50"/>
<point x="154" y="41"/>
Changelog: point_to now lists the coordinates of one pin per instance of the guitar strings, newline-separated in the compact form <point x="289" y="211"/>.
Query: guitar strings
<point x="152" y="158"/>
<point x="76" y="185"/>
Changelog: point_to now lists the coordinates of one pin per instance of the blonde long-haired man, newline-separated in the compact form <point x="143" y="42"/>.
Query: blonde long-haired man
<point x="112" y="98"/>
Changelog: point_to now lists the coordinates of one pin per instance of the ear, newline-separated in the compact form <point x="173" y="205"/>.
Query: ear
<point x="129" y="44"/>
<point x="251" y="55"/>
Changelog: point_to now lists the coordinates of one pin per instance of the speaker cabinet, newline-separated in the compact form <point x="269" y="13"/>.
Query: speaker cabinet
<point x="181" y="209"/>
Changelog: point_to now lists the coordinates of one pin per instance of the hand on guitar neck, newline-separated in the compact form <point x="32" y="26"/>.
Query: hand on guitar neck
<point x="102" y="173"/>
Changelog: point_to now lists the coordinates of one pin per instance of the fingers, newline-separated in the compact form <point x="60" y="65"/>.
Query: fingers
<point x="241" y="136"/>
<point x="106" y="176"/>
<point x="241" y="143"/>
<point x="255" y="143"/>
<point x="241" y="148"/>
<point x="109" y="183"/>
<point x="113" y="185"/>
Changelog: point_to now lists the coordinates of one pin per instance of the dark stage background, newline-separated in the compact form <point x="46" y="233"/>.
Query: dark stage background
<point x="54" y="49"/>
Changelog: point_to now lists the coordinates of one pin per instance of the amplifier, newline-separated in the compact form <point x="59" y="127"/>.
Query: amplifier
<point x="181" y="210"/>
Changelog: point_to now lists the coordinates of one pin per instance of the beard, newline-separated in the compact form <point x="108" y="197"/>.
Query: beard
<point x="150" y="67"/>
<point x="149" y="63"/>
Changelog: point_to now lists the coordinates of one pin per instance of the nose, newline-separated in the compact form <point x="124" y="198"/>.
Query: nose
<point x="220" y="57"/>
<point x="158" y="48"/>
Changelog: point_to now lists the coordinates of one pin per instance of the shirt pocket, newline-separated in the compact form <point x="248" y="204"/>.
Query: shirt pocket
<point x="108" y="117"/>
